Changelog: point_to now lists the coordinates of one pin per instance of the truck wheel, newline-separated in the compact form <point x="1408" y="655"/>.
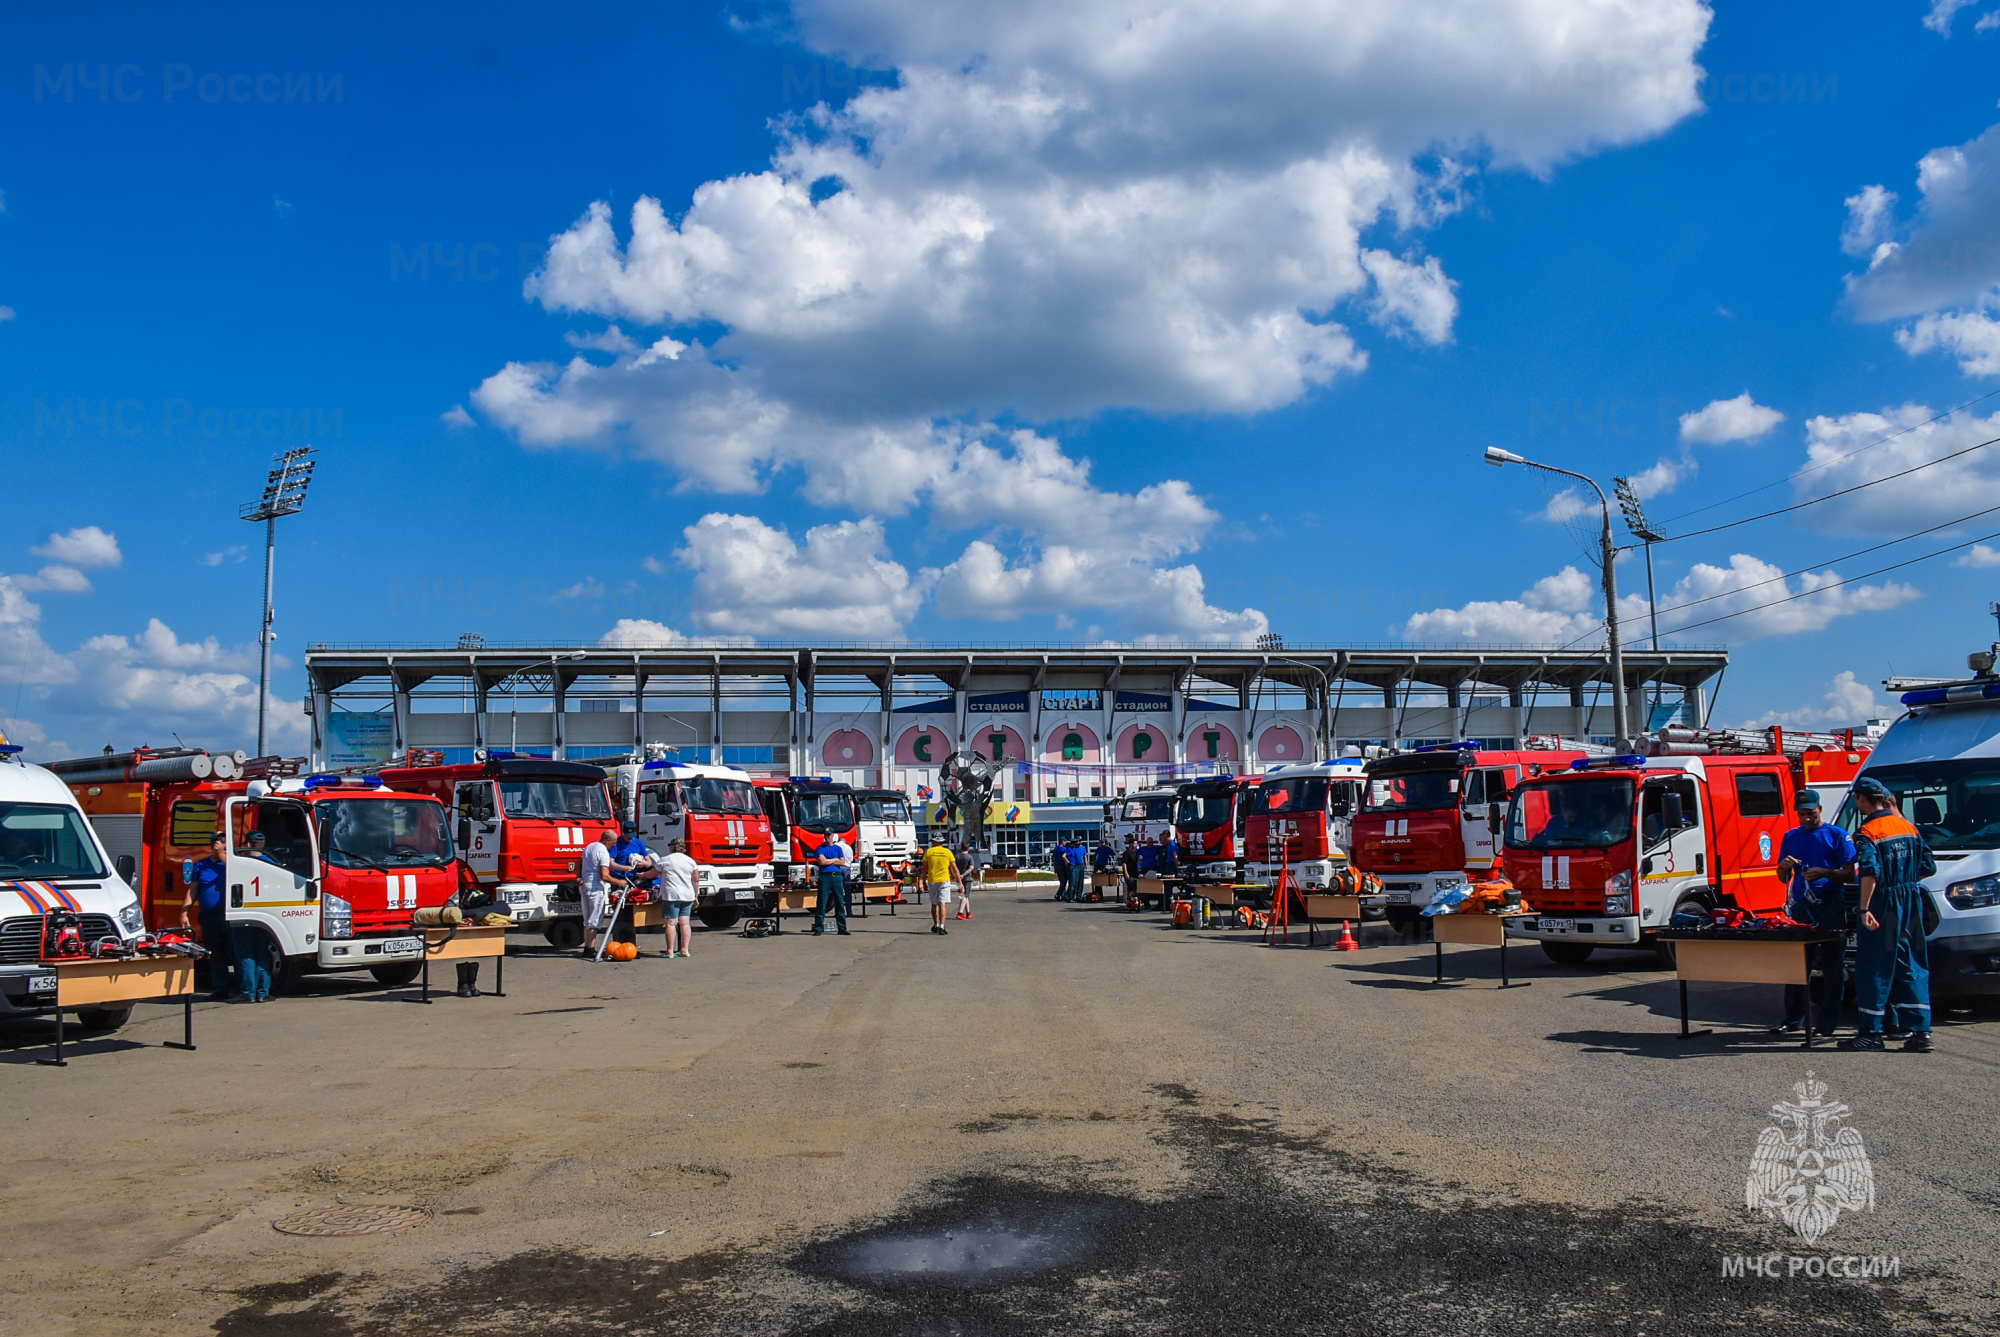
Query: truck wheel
<point x="1401" y="920"/>
<point x="1566" y="953"/>
<point x="565" y="935"/>
<point x="719" y="916"/>
<point x="396" y="976"/>
<point x="103" y="1020"/>
<point x="1664" y="951"/>
<point x="287" y="972"/>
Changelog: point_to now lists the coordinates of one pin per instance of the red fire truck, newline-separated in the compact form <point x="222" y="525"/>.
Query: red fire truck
<point x="522" y="823"/>
<point x="716" y="810"/>
<point x="1430" y="818"/>
<point x="1609" y="850"/>
<point x="804" y="811"/>
<point x="330" y="869"/>
<point x="1315" y="804"/>
<point x="1209" y="819"/>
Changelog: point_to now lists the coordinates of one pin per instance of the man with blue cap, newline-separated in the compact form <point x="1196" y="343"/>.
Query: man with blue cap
<point x="1817" y="861"/>
<point x="1891" y="966"/>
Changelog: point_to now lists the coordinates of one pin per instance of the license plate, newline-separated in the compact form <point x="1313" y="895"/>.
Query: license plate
<point x="42" y="983"/>
<point x="746" y="893"/>
<point x="403" y="945"/>
<point x="1399" y="898"/>
<point x="517" y="897"/>
<point x="1548" y="925"/>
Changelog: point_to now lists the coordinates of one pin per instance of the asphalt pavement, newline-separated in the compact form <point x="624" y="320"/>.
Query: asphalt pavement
<point x="1055" y="1119"/>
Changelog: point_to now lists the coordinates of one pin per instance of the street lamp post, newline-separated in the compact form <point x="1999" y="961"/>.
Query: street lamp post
<point x="1325" y="707"/>
<point x="513" y="694"/>
<point x="1619" y="724"/>
<point x="1642" y="529"/>
<point x="284" y="494"/>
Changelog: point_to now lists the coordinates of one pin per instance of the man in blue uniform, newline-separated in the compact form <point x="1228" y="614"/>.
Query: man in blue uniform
<point x="1059" y="861"/>
<point x="1817" y="861"/>
<point x="1891" y="966"/>
<point x="832" y="857"/>
<point x="208" y="898"/>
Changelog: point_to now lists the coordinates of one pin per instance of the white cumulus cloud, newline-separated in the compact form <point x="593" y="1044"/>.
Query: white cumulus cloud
<point x="1942" y="13"/>
<point x="456" y="418"/>
<point x="1973" y="337"/>
<point x="1891" y="442"/>
<point x="88" y="547"/>
<point x="1871" y="216"/>
<point x="1947" y="257"/>
<point x="1848" y="702"/>
<point x="1723" y="420"/>
<point x="753" y="579"/>
<point x="1979" y="556"/>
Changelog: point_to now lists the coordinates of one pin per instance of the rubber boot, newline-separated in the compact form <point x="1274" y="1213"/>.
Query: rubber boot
<point x="468" y="979"/>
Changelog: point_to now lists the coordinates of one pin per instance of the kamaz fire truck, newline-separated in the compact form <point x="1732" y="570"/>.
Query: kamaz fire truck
<point x="329" y="869"/>
<point x="1209" y="817"/>
<point x="805" y="810"/>
<point x="1430" y="818"/>
<point x="1314" y="803"/>
<point x="1608" y="850"/>
<point x="888" y="834"/>
<point x="522" y="824"/>
<point x="714" y="809"/>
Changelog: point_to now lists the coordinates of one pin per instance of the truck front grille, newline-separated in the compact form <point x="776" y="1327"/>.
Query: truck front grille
<point x="21" y="939"/>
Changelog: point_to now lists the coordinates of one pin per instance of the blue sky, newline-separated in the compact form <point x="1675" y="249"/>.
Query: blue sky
<point x="1083" y="321"/>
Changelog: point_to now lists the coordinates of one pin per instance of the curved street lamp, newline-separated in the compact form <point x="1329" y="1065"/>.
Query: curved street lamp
<point x="1498" y="457"/>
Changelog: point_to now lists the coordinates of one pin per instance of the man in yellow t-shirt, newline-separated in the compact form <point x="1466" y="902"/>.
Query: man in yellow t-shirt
<point x="941" y="872"/>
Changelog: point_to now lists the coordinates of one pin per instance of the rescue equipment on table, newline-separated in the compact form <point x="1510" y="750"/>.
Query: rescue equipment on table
<point x="1347" y="880"/>
<point x="1498" y="896"/>
<point x="62" y="936"/>
<point x="443" y="916"/>
<point x="1729" y="917"/>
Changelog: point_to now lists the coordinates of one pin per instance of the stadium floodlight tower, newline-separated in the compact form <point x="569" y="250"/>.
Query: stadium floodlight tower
<point x="1499" y="458"/>
<point x="284" y="494"/>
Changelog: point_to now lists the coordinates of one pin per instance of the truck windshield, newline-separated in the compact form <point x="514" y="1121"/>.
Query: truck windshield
<point x="1285" y="797"/>
<point x="384" y="833"/>
<point x="1203" y="812"/>
<point x="554" y="798"/>
<point x="1571" y="815"/>
<point x="823" y="812"/>
<point x="886" y="810"/>
<point x="42" y="840"/>
<point x="1413" y="791"/>
<point x="1148" y="809"/>
<point x="712" y="794"/>
<point x="1955" y="805"/>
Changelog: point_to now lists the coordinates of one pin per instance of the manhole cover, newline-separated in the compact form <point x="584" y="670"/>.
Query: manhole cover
<point x="351" y="1220"/>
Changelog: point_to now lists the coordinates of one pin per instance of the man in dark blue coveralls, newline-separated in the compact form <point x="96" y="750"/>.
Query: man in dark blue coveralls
<point x="1891" y="965"/>
<point x="1817" y="861"/>
<point x="832" y="858"/>
<point x="208" y="897"/>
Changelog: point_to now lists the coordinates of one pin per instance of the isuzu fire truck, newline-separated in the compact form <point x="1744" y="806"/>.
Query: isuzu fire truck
<point x="329" y="869"/>
<point x="888" y="835"/>
<point x="51" y="858"/>
<point x="1430" y="818"/>
<point x="1316" y="802"/>
<point x="522" y="824"/>
<point x="1608" y="850"/>
<point x="1144" y="813"/>
<point x="1209" y="815"/>
<point x="715" y="809"/>
<point x="804" y="811"/>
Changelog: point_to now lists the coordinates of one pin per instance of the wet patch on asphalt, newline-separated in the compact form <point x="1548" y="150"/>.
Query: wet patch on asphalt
<point x="1272" y="1233"/>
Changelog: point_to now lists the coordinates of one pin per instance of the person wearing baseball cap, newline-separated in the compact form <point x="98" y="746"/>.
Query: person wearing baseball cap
<point x="1891" y="964"/>
<point x="1817" y="861"/>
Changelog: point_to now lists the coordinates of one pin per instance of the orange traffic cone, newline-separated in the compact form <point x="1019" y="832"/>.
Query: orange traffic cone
<point x="1347" y="942"/>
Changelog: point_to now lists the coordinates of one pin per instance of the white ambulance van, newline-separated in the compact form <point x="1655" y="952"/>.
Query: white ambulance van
<point x="52" y="859"/>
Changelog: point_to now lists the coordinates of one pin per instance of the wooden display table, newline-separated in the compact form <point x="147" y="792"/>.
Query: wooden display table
<point x="1151" y="888"/>
<point x="467" y="943"/>
<point x="1473" y="931"/>
<point x="999" y="875"/>
<point x="1328" y="908"/>
<point x="882" y="893"/>
<point x="109" y="982"/>
<point x="1751" y="958"/>
<point x="648" y="914"/>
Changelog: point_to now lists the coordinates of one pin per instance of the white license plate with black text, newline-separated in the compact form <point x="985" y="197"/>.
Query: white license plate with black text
<point x="394" y="945"/>
<point x="42" y="983"/>
<point x="1548" y="925"/>
<point x="1399" y="898"/>
<point x="746" y="893"/>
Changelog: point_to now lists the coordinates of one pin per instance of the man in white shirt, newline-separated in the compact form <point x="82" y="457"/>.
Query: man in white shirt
<point x="677" y="898"/>
<point x="594" y="880"/>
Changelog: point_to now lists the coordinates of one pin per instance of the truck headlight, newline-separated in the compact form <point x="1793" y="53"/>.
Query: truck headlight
<point x="336" y="916"/>
<point x="1618" y="905"/>
<point x="1618" y="893"/>
<point x="1974" y="895"/>
<point x="131" y="918"/>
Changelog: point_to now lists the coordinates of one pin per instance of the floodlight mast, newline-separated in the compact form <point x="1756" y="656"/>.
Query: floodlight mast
<point x="1497" y="457"/>
<point x="284" y="494"/>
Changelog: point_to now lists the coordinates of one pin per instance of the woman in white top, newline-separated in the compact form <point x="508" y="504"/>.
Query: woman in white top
<point x="677" y="897"/>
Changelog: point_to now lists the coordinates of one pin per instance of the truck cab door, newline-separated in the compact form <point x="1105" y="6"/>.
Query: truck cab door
<point x="1473" y="827"/>
<point x="661" y="816"/>
<point x="478" y="828"/>
<point x="274" y="881"/>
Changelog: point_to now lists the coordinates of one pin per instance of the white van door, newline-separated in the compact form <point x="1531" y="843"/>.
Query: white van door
<point x="481" y="836"/>
<point x="273" y="869"/>
<point x="661" y="816"/>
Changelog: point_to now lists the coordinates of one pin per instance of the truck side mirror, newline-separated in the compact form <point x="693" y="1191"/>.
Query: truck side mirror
<point x="1495" y="817"/>
<point x="128" y="868"/>
<point x="465" y="833"/>
<point x="1672" y="814"/>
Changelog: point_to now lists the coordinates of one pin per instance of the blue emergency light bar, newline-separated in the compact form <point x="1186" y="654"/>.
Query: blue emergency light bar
<point x="1953" y="694"/>
<point x="1468" y="745"/>
<point x="337" y="781"/>
<point x="500" y="754"/>
<point x="1623" y="761"/>
<point x="9" y="749"/>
